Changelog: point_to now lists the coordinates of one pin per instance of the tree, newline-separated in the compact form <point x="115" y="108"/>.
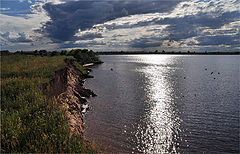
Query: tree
<point x="43" y="53"/>
<point x="63" y="52"/>
<point x="54" y="53"/>
<point x="5" y="52"/>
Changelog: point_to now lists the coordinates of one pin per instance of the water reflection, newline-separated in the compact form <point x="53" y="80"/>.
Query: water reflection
<point x="165" y="104"/>
<point x="158" y="132"/>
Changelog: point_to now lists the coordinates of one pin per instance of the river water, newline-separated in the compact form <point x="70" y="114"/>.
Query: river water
<point x="165" y="104"/>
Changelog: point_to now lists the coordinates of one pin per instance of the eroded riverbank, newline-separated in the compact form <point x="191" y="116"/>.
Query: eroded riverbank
<point x="67" y="88"/>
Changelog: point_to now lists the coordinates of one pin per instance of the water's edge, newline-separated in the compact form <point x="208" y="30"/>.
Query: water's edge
<point x="186" y="98"/>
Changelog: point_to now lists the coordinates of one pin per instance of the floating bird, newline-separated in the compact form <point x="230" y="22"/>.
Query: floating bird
<point x="211" y="72"/>
<point x="218" y="73"/>
<point x="205" y="68"/>
<point x="111" y="69"/>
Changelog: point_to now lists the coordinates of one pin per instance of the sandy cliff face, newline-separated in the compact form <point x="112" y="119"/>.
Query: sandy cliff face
<point x="67" y="88"/>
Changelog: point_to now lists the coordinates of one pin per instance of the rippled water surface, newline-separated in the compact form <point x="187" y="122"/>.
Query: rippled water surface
<point x="165" y="104"/>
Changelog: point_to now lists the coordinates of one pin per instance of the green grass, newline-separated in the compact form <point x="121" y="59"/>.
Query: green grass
<point x="80" y="68"/>
<point x="30" y="122"/>
<point x="30" y="66"/>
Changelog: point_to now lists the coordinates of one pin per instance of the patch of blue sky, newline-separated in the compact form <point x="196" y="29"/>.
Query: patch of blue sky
<point x="15" y="7"/>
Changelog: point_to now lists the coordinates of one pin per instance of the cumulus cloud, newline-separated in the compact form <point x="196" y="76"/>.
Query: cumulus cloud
<point x="21" y="38"/>
<point x="232" y="40"/>
<point x="122" y="24"/>
<point x="4" y="9"/>
<point x="191" y="26"/>
<point x="89" y="36"/>
<point x="67" y="18"/>
<point x="82" y="44"/>
<point x="145" y="43"/>
<point x="18" y="31"/>
<point x="208" y="24"/>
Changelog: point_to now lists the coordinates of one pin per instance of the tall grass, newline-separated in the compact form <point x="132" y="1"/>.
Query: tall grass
<point x="30" y="66"/>
<point x="80" y="68"/>
<point x="30" y="122"/>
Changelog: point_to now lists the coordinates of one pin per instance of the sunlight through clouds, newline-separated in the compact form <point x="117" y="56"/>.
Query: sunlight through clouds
<point x="123" y="25"/>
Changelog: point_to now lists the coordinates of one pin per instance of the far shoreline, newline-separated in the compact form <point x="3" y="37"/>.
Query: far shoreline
<point x="166" y="53"/>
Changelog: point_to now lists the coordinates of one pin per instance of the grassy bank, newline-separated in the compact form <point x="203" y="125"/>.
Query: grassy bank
<point x="30" y="122"/>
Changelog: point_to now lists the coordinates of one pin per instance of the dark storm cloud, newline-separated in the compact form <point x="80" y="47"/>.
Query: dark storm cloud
<point x="89" y="36"/>
<point x="188" y="26"/>
<point x="21" y="39"/>
<point x="82" y="44"/>
<point x="146" y="43"/>
<point x="68" y="17"/>
<point x="232" y="40"/>
<point x="191" y="26"/>
<point x="180" y="28"/>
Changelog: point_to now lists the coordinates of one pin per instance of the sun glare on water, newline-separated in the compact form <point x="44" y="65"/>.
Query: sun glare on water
<point x="159" y="133"/>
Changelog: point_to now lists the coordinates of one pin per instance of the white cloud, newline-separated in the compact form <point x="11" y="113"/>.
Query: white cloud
<point x="21" y="24"/>
<point x="4" y="9"/>
<point x="117" y="34"/>
<point x="123" y="30"/>
<point x="227" y="29"/>
<point x="213" y="7"/>
<point x="26" y="25"/>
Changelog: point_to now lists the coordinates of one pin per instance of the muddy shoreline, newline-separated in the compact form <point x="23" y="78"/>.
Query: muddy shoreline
<point x="66" y="88"/>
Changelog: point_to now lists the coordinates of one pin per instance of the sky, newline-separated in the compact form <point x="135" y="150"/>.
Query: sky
<point x="120" y="25"/>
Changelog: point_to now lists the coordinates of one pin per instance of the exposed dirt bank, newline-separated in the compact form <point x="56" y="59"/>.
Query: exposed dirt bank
<point x="67" y="88"/>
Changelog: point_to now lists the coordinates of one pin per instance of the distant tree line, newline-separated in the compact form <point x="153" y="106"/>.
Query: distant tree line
<point x="167" y="52"/>
<point x="81" y="55"/>
<point x="86" y="55"/>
